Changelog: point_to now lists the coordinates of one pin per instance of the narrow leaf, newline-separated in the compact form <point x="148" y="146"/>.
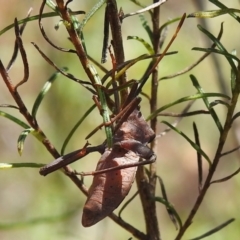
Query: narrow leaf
<point x="75" y="128"/>
<point x="230" y="151"/>
<point x="131" y="63"/>
<point x="87" y="17"/>
<point x="148" y="8"/>
<point x="14" y="119"/>
<point x="199" y="157"/>
<point x="235" y="116"/>
<point x="127" y="203"/>
<point x="146" y="26"/>
<point x="226" y="178"/>
<point x="222" y="6"/>
<point x="21" y="165"/>
<point x="207" y="234"/>
<point x="169" y="206"/>
<point x="22" y="138"/>
<point x="169" y="23"/>
<point x="42" y="220"/>
<point x="213" y="13"/>
<point x="220" y="46"/>
<point x="8" y="106"/>
<point x="171" y="213"/>
<point x="104" y="106"/>
<point x="205" y="100"/>
<point x="145" y="44"/>
<point x="194" y="145"/>
<point x="213" y="50"/>
<point x="233" y="75"/>
<point x="184" y="99"/>
<point x="44" y="91"/>
<point x="217" y="102"/>
<point x="32" y="18"/>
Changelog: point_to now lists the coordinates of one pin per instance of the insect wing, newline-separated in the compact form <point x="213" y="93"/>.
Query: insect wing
<point x="109" y="189"/>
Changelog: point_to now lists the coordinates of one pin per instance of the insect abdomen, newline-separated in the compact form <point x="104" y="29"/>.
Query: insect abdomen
<point x="108" y="189"/>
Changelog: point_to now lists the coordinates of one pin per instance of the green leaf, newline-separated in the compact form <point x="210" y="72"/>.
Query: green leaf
<point x="9" y="106"/>
<point x="129" y="64"/>
<point x="213" y="13"/>
<point x="104" y="106"/>
<point x="221" y="48"/>
<point x="22" y="138"/>
<point x="52" y="5"/>
<point x="235" y="116"/>
<point x="75" y="128"/>
<point x="171" y="211"/>
<point x="184" y="99"/>
<point x="87" y="17"/>
<point x="193" y="144"/>
<point x="222" y="6"/>
<point x="36" y="17"/>
<point x="14" y="119"/>
<point x="207" y="234"/>
<point x="146" y="26"/>
<point x="24" y="134"/>
<point x="169" y="23"/>
<point x="42" y="220"/>
<point x="213" y="50"/>
<point x="44" y="91"/>
<point x="169" y="206"/>
<point x="28" y="19"/>
<point x="199" y="157"/>
<point x="207" y="103"/>
<point x="217" y="102"/>
<point x="145" y="44"/>
<point x="21" y="165"/>
<point x="233" y="75"/>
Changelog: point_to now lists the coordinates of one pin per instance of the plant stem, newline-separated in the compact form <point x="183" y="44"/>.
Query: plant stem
<point x="222" y="140"/>
<point x="117" y="43"/>
<point x="147" y="185"/>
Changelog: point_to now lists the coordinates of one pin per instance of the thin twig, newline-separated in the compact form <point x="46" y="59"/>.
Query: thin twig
<point x="23" y="54"/>
<point x="214" y="230"/>
<point x="226" y="178"/>
<point x="222" y="140"/>
<point x="68" y="75"/>
<point x="146" y="9"/>
<point x="15" y="51"/>
<point x="180" y="116"/>
<point x="127" y="203"/>
<point x="187" y="114"/>
<point x="117" y="42"/>
<point x="230" y="151"/>
<point x="45" y="35"/>
<point x="187" y="69"/>
<point x="32" y="122"/>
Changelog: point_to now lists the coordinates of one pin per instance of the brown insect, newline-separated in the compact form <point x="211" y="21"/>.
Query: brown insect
<point x="116" y="169"/>
<point x="110" y="188"/>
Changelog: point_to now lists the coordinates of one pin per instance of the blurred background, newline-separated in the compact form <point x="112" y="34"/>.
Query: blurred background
<point x="36" y="207"/>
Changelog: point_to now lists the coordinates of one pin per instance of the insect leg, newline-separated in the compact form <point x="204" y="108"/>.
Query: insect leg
<point x="152" y="159"/>
<point x="132" y="145"/>
<point x="69" y="158"/>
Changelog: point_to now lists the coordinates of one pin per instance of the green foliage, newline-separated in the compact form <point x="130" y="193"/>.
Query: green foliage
<point x="109" y="86"/>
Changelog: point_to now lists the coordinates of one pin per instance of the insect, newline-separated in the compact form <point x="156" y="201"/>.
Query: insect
<point x="116" y="169"/>
<point x="109" y="188"/>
